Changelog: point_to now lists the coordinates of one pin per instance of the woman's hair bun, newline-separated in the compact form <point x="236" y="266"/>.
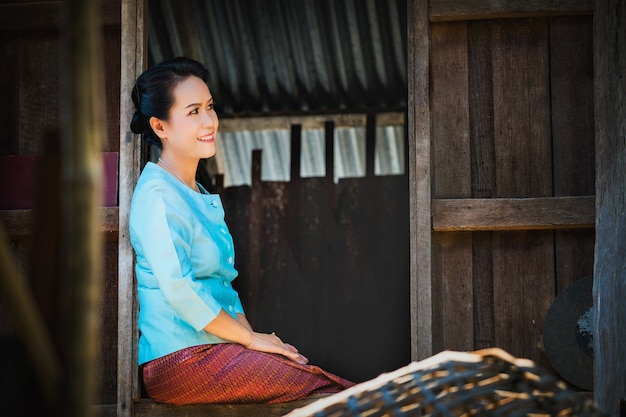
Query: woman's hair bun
<point x="139" y="123"/>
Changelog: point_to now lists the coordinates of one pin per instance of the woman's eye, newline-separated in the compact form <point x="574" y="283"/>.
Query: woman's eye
<point x="210" y="106"/>
<point x="194" y="111"/>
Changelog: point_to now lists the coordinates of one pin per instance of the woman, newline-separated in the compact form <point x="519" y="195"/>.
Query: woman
<point x="195" y="344"/>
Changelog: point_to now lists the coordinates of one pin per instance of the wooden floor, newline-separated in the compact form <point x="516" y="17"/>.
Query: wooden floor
<point x="146" y="407"/>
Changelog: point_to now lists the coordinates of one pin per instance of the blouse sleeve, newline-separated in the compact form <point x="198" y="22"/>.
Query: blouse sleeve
<point x="161" y="229"/>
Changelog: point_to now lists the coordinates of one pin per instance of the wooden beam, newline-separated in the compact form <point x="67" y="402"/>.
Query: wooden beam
<point x="19" y="223"/>
<point x="236" y="124"/>
<point x="447" y="10"/>
<point x="133" y="62"/>
<point x="38" y="16"/>
<point x="419" y="179"/>
<point x="151" y="408"/>
<point x="513" y="213"/>
<point x="609" y="286"/>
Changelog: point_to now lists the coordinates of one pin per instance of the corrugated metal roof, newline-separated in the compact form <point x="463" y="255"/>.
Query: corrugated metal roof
<point x="270" y="57"/>
<point x="285" y="56"/>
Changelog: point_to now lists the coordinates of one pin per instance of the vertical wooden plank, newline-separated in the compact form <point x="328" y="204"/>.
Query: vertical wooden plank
<point x="571" y="81"/>
<point x="480" y="76"/>
<point x="107" y="374"/>
<point x="453" y="318"/>
<point x="329" y="160"/>
<point x="482" y="156"/>
<point x="256" y="227"/>
<point x="573" y="255"/>
<point x="523" y="289"/>
<point x="522" y="108"/>
<point x="112" y="51"/>
<point x="370" y="145"/>
<point x="609" y="288"/>
<point x="133" y="62"/>
<point x="451" y="171"/>
<point x="419" y="178"/>
<point x="449" y="110"/>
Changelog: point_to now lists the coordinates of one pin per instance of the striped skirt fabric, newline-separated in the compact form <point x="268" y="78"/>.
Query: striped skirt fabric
<point x="230" y="373"/>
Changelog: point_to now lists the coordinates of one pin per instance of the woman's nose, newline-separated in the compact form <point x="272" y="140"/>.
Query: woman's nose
<point x="210" y="118"/>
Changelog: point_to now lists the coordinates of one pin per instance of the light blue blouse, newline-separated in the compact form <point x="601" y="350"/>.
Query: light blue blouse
<point x="185" y="263"/>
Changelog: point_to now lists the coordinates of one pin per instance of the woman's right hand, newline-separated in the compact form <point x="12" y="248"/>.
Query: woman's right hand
<point x="271" y="343"/>
<point x="239" y="331"/>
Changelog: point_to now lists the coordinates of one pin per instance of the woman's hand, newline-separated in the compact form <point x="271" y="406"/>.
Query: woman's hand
<point x="271" y="343"/>
<point x="239" y="331"/>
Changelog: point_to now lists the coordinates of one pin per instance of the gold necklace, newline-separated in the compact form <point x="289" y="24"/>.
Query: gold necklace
<point x="173" y="171"/>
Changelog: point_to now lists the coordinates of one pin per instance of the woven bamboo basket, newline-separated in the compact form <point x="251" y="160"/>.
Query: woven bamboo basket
<point x="486" y="382"/>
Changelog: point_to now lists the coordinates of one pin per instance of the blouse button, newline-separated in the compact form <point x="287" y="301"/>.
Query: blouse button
<point x="214" y="203"/>
<point x="231" y="308"/>
<point x="230" y="260"/>
<point x="225" y="283"/>
<point x="223" y="230"/>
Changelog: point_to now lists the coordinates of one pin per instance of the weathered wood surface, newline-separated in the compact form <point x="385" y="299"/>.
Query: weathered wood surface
<point x="446" y="10"/>
<point x="486" y="214"/>
<point x="150" y="408"/>
<point x="609" y="287"/>
<point x="482" y="160"/>
<point x="19" y="223"/>
<point x="450" y="135"/>
<point x="510" y="181"/>
<point x="571" y="82"/>
<point x="235" y="124"/>
<point x="133" y="62"/>
<point x="419" y="147"/>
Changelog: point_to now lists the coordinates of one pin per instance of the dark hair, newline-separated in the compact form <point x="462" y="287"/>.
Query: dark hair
<point x="153" y="93"/>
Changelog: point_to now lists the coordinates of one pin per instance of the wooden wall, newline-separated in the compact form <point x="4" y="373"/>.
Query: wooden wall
<point x="511" y="104"/>
<point x="325" y="265"/>
<point x="31" y="39"/>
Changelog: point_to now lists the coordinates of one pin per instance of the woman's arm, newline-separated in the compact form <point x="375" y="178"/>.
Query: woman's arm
<point x="239" y="331"/>
<point x="241" y="318"/>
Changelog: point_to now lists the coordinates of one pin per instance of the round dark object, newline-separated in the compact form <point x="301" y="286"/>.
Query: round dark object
<point x="568" y="334"/>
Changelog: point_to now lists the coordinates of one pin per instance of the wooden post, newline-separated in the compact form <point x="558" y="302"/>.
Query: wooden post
<point x="81" y="178"/>
<point x="419" y="179"/>
<point x="609" y="287"/>
<point x="133" y="62"/>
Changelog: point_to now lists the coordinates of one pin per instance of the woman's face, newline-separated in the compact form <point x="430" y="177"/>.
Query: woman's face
<point x="190" y="131"/>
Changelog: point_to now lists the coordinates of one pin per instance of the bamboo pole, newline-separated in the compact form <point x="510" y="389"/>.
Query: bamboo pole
<point x="81" y="178"/>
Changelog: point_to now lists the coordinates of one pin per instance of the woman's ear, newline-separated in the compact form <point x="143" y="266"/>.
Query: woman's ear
<point x="157" y="126"/>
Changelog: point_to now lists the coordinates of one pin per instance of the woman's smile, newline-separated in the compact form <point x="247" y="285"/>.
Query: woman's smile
<point x="210" y="138"/>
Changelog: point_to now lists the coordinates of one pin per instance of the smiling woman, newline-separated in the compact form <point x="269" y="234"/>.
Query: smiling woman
<point x="196" y="344"/>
